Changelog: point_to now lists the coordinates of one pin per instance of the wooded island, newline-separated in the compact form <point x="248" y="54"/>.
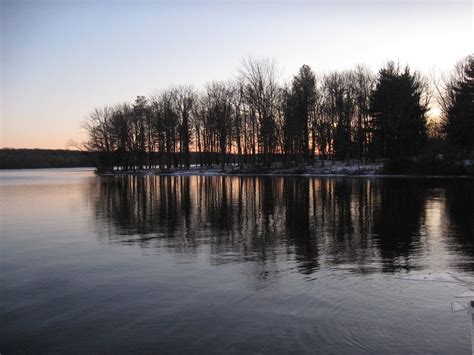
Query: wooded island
<point x="254" y="121"/>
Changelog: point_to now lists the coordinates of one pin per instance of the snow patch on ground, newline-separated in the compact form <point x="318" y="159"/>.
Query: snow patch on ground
<point x="329" y="169"/>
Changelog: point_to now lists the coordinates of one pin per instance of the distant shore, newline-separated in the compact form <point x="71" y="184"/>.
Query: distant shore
<point x="43" y="159"/>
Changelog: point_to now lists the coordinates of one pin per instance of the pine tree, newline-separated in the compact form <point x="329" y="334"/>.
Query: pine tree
<point x="459" y="121"/>
<point x="398" y="110"/>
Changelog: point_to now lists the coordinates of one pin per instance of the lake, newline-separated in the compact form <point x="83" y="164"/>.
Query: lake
<point x="201" y="264"/>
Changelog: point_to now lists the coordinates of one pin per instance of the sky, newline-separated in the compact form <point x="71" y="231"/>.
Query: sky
<point x="61" y="59"/>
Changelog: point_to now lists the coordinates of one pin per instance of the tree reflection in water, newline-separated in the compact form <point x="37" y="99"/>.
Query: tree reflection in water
<point x="362" y="224"/>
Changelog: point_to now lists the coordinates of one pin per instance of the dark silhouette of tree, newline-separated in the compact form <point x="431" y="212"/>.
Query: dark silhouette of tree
<point x="458" y="107"/>
<point x="139" y="129"/>
<point x="339" y="107"/>
<point x="238" y="127"/>
<point x="322" y="125"/>
<point x="290" y="130"/>
<point x="184" y="98"/>
<point x="121" y="131"/>
<point x="398" y="105"/>
<point x="345" y="108"/>
<point x="219" y="99"/>
<point x="100" y="138"/>
<point x="261" y="95"/>
<point x="333" y="97"/>
<point x="166" y="126"/>
<point x="363" y="81"/>
<point x="299" y="107"/>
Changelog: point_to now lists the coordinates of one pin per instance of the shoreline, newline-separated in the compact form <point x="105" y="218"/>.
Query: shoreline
<point x="346" y="171"/>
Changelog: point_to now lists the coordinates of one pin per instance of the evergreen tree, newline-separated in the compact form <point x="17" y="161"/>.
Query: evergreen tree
<point x="459" y="120"/>
<point x="398" y="105"/>
<point x="304" y="98"/>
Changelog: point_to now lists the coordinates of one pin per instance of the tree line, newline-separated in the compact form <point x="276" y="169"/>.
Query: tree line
<point x="254" y="120"/>
<point x="11" y="158"/>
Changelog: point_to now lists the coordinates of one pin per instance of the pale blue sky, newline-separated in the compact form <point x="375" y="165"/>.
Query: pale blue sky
<point x="60" y="59"/>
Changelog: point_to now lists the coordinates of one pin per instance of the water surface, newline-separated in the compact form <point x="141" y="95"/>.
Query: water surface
<point x="233" y="264"/>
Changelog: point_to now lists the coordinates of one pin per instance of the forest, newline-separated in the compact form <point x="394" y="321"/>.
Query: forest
<point x="256" y="121"/>
<point x="11" y="158"/>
